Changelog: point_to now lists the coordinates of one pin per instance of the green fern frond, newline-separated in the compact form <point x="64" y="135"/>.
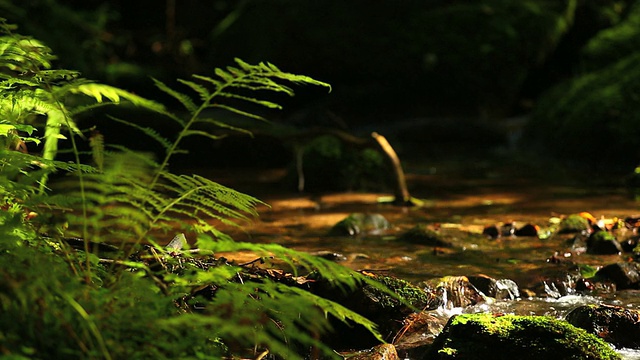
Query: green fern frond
<point x="150" y="132"/>
<point x="223" y="125"/>
<point x="201" y="90"/>
<point x="22" y="54"/>
<point x="99" y="92"/>
<point x="185" y="100"/>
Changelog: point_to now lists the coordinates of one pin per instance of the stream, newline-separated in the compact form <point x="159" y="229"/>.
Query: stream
<point x="460" y="204"/>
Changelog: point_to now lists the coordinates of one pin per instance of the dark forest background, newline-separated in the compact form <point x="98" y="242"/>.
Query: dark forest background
<point x="571" y="68"/>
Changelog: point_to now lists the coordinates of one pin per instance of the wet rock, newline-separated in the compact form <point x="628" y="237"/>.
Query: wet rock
<point x="360" y="224"/>
<point x="380" y="352"/>
<point x="626" y="275"/>
<point x="330" y="255"/>
<point x="574" y="223"/>
<point x="629" y="243"/>
<point x="419" y="331"/>
<point x="491" y="231"/>
<point x="421" y="234"/>
<point x="603" y="243"/>
<point x="496" y="337"/>
<point x="458" y="291"/>
<point x="614" y="324"/>
<point x="501" y="289"/>
<point x="527" y="230"/>
<point x="510" y="229"/>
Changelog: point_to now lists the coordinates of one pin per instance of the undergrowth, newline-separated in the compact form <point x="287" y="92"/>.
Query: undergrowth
<point x="84" y="267"/>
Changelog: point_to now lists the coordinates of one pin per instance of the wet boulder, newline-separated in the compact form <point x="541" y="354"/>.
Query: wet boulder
<point x="500" y="289"/>
<point x="527" y="230"/>
<point x="603" y="243"/>
<point x="614" y="324"/>
<point x="458" y="291"/>
<point x="421" y="234"/>
<point x="496" y="337"/>
<point x="626" y="275"/>
<point x="360" y="224"/>
<point x="574" y="223"/>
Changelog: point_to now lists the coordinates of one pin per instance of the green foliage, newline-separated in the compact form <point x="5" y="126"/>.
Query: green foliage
<point x="331" y="164"/>
<point x="143" y="301"/>
<point x="594" y="115"/>
<point x="614" y="43"/>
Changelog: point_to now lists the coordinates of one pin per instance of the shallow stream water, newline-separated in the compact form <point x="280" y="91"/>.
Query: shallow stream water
<point x="460" y="207"/>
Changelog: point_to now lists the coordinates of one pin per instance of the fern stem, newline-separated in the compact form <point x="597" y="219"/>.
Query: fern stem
<point x="76" y="153"/>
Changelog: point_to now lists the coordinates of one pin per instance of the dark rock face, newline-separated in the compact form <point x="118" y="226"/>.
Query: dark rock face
<point x="616" y="325"/>
<point x="496" y="337"/>
<point x="626" y="275"/>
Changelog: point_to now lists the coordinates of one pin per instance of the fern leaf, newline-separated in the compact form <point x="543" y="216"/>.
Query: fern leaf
<point x="224" y="125"/>
<point x="99" y="92"/>
<point x="185" y="100"/>
<point x="265" y="103"/>
<point x="150" y="132"/>
<point x="23" y="54"/>
<point x="202" y="133"/>
<point x="214" y="82"/>
<point x="225" y="75"/>
<point x="201" y="90"/>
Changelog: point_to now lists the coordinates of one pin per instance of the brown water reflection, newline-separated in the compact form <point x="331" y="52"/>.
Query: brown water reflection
<point x="459" y="207"/>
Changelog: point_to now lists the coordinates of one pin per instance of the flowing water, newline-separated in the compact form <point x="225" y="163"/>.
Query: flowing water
<point x="459" y="206"/>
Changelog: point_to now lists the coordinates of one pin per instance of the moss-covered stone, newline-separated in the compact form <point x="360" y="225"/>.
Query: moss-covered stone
<point x="496" y="337"/>
<point x="408" y="293"/>
<point x="573" y="223"/>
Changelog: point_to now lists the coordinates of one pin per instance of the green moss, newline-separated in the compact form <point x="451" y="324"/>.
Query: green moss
<point x="573" y="223"/>
<point x="408" y="293"/>
<point x="487" y="336"/>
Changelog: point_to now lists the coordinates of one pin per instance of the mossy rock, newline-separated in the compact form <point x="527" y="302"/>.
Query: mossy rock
<point x="496" y="337"/>
<point x="421" y="234"/>
<point x="593" y="116"/>
<point x="573" y="223"/>
<point x="360" y="224"/>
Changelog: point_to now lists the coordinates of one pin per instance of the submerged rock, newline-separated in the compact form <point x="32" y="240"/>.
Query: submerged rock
<point x="360" y="224"/>
<point x="496" y="337"/>
<point x="614" y="324"/>
<point x="421" y="234"/>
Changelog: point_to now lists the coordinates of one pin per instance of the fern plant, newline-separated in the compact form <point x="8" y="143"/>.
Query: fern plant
<point x="128" y="199"/>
